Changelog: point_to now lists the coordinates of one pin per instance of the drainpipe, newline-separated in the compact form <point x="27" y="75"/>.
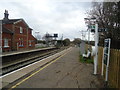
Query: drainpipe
<point x="13" y="38"/>
<point x="0" y="37"/>
<point x="0" y="50"/>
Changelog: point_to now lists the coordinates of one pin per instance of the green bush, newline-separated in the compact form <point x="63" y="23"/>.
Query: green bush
<point x="85" y="60"/>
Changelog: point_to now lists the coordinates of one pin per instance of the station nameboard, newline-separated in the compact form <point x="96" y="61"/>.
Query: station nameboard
<point x="99" y="30"/>
<point x="106" y="50"/>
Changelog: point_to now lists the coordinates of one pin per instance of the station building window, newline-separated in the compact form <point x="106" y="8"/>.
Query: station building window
<point x="21" y="42"/>
<point x="30" y="43"/>
<point x="6" y="42"/>
<point x="21" y="30"/>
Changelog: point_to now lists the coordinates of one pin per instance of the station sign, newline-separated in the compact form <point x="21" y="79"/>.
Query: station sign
<point x="99" y="30"/>
<point x="102" y="30"/>
<point x="106" y="50"/>
<point x="93" y="26"/>
<point x="106" y="57"/>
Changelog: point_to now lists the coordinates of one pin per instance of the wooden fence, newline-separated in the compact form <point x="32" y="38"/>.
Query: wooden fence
<point x="114" y="67"/>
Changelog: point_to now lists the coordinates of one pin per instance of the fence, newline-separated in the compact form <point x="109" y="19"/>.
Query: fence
<point x="114" y="67"/>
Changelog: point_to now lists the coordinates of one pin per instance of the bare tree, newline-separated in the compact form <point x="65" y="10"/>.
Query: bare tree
<point x="107" y="15"/>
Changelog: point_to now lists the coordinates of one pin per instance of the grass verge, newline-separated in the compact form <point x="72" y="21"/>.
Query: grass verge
<point x="86" y="60"/>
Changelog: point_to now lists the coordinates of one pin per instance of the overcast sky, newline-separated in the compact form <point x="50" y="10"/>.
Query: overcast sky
<point x="53" y="16"/>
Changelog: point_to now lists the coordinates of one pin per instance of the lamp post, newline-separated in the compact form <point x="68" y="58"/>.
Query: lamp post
<point x="83" y="37"/>
<point x="88" y="22"/>
<point x="96" y="48"/>
<point x="91" y="22"/>
<point x="37" y="36"/>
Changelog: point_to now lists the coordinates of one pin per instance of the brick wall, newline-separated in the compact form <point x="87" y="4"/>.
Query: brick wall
<point x="26" y="37"/>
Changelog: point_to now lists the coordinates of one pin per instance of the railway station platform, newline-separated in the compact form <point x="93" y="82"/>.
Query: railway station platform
<point x="23" y="51"/>
<point x="64" y="71"/>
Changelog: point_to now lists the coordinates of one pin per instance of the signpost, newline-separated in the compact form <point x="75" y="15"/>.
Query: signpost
<point x="93" y="26"/>
<point x="106" y="55"/>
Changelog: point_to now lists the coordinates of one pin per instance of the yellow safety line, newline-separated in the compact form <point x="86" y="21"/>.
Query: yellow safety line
<point x="38" y="71"/>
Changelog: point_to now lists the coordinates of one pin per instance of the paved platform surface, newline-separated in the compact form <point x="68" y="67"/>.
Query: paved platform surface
<point x="25" y="71"/>
<point x="23" y="51"/>
<point x="66" y="72"/>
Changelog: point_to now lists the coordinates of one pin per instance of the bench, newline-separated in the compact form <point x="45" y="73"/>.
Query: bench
<point x="87" y="55"/>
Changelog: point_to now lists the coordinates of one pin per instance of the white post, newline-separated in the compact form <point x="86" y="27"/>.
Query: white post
<point x="0" y="36"/>
<point x="89" y="38"/>
<point x="102" y="63"/>
<point x="96" y="49"/>
<point x="106" y="78"/>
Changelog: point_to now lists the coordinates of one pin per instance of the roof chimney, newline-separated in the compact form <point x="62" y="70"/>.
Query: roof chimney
<point x="6" y="15"/>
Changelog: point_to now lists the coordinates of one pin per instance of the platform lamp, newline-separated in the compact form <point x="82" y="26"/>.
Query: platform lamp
<point x="88" y="23"/>
<point x="93" y="26"/>
<point x="37" y="36"/>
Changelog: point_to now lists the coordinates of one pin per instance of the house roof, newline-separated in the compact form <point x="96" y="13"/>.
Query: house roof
<point x="6" y="30"/>
<point x="13" y="21"/>
<point x="10" y="21"/>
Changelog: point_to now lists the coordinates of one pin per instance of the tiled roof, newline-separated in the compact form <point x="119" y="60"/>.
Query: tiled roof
<point x="10" y="21"/>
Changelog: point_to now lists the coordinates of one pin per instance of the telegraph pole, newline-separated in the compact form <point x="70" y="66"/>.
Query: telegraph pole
<point x="37" y="36"/>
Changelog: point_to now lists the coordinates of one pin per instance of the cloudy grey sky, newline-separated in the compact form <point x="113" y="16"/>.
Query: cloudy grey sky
<point x="53" y="16"/>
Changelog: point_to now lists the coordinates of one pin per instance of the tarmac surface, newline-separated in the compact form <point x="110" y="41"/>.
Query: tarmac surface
<point x="66" y="72"/>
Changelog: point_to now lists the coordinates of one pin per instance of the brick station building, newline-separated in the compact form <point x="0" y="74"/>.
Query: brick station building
<point x="16" y="34"/>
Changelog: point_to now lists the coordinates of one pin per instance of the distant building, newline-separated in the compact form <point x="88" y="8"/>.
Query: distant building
<point x="16" y="34"/>
<point x="50" y="39"/>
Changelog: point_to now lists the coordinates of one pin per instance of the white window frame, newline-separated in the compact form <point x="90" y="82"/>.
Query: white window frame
<point x="21" y="30"/>
<point x="21" y="42"/>
<point x="6" y="42"/>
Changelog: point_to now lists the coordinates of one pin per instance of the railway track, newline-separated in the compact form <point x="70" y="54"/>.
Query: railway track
<point x="22" y="63"/>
